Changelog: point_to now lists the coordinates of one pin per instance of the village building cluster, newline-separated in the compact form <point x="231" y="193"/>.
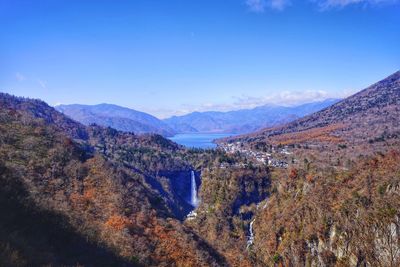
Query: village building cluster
<point x="266" y="158"/>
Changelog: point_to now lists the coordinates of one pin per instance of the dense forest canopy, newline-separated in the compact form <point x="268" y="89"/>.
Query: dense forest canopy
<point x="323" y="190"/>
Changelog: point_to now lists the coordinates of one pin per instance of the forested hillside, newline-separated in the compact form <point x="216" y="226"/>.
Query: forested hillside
<point x="337" y="203"/>
<point x="94" y="196"/>
<point x="371" y="115"/>
<point x="327" y="217"/>
<point x="120" y="198"/>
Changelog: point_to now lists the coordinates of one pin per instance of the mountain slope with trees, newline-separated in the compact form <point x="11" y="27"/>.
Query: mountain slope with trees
<point x="119" y="197"/>
<point x="90" y="195"/>
<point x="50" y="158"/>
<point x="120" y="118"/>
<point x="368" y="116"/>
<point x="337" y="203"/>
<point x="329" y="217"/>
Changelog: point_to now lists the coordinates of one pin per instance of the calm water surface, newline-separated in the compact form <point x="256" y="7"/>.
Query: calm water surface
<point x="198" y="140"/>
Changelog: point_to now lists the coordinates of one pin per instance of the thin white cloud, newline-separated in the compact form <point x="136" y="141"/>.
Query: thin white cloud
<point x="288" y="98"/>
<point x="259" y="6"/>
<point x="279" y="4"/>
<point x="20" y="77"/>
<point x="42" y="83"/>
<point x="285" y="98"/>
<point x="163" y="113"/>
<point x="330" y="4"/>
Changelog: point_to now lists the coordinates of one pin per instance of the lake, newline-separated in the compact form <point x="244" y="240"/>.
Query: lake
<point x="199" y="140"/>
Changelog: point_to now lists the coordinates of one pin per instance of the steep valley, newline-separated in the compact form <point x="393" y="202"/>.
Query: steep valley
<point x="322" y="190"/>
<point x="126" y="195"/>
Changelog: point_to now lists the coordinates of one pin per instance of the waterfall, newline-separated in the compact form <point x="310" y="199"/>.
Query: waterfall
<point x="250" y="238"/>
<point x="193" y="192"/>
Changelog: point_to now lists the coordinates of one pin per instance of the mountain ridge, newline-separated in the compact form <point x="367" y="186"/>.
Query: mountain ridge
<point x="120" y="118"/>
<point x="368" y="117"/>
<point x="243" y="120"/>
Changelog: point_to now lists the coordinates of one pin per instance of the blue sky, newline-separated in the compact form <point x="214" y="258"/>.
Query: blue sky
<point x="175" y="56"/>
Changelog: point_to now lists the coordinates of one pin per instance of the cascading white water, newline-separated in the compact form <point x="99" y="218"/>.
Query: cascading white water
<point x="250" y="238"/>
<point x="193" y="192"/>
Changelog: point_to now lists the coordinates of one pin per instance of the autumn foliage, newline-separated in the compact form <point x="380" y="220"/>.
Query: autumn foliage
<point x="117" y="222"/>
<point x="320" y="134"/>
<point x="334" y="218"/>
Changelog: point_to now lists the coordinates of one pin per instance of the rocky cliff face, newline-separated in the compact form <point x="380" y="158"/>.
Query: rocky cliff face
<point x="229" y="198"/>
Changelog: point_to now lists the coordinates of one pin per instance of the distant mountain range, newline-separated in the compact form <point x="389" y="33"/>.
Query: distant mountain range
<point x="245" y="120"/>
<point x="238" y="121"/>
<point x="369" y="116"/>
<point x="117" y="117"/>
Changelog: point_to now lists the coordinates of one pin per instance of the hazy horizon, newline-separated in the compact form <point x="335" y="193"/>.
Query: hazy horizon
<point x="173" y="58"/>
<point x="267" y="104"/>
